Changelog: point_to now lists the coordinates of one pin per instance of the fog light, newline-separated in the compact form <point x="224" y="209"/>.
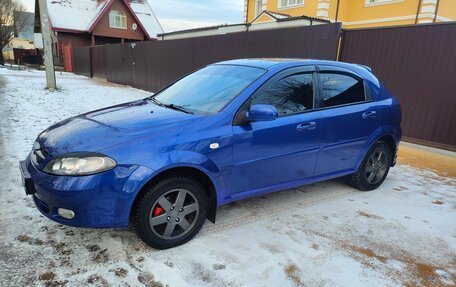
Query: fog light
<point x="65" y="213"/>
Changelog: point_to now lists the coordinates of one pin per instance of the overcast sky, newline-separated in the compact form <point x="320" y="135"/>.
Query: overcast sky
<point x="187" y="14"/>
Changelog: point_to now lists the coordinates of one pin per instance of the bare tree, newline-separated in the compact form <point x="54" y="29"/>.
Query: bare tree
<point x="11" y="22"/>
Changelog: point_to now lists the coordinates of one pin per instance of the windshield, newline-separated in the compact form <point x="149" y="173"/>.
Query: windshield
<point x="208" y="90"/>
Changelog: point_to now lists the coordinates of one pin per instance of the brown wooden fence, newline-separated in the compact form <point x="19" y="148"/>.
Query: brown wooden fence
<point x="416" y="63"/>
<point x="98" y="61"/>
<point x="81" y="61"/>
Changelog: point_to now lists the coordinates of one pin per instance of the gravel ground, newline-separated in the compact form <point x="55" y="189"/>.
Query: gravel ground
<point x="326" y="234"/>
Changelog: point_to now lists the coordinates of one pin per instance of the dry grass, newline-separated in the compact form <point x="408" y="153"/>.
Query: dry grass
<point x="438" y="202"/>
<point x="369" y="215"/>
<point x="292" y="273"/>
<point x="369" y="253"/>
<point x="315" y="246"/>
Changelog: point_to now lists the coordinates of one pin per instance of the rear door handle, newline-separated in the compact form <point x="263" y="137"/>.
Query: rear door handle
<point x="306" y="126"/>
<point x="371" y="114"/>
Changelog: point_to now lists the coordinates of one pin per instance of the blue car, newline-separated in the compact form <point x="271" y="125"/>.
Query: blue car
<point x="229" y="131"/>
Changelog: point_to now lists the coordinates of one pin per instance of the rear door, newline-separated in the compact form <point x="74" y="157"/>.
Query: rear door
<point x="349" y="118"/>
<point x="277" y="152"/>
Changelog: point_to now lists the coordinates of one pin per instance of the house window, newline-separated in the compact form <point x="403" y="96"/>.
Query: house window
<point x="290" y="3"/>
<point x="117" y="19"/>
<point x="380" y="2"/>
<point x="258" y="7"/>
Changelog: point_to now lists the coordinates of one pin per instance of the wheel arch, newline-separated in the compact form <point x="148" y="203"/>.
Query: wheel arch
<point x="191" y="171"/>
<point x="389" y="140"/>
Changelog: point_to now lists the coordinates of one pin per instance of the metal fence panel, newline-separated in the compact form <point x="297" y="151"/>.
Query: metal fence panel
<point x="153" y="65"/>
<point x="98" y="59"/>
<point x="81" y="61"/>
<point x="418" y="65"/>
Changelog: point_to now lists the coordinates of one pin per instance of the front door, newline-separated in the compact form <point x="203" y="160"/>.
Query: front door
<point x="349" y="119"/>
<point x="276" y="152"/>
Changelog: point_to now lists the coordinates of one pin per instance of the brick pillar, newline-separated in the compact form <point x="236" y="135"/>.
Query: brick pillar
<point x="323" y="9"/>
<point x="265" y="5"/>
<point x="246" y="8"/>
<point x="427" y="11"/>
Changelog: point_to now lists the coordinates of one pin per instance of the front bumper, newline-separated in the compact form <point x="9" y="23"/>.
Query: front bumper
<point x="100" y="200"/>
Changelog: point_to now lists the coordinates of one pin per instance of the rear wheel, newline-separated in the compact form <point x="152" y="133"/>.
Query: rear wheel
<point x="373" y="169"/>
<point x="171" y="212"/>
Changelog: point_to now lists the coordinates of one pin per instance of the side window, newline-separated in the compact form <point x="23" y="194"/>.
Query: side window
<point x="340" y="89"/>
<point x="289" y="95"/>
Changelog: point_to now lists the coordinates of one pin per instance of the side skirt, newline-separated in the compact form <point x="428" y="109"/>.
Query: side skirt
<point x="287" y="185"/>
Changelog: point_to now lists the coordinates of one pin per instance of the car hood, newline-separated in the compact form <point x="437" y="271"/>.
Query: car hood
<point x="103" y="128"/>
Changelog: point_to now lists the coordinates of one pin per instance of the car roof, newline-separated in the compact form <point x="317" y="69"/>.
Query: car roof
<point x="264" y="63"/>
<point x="283" y="63"/>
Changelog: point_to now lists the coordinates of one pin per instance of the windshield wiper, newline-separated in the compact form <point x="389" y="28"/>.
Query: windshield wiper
<point x="171" y="106"/>
<point x="178" y="108"/>
<point x="155" y="101"/>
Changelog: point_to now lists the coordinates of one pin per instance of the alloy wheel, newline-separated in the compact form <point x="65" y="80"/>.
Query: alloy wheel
<point x="174" y="214"/>
<point x="376" y="167"/>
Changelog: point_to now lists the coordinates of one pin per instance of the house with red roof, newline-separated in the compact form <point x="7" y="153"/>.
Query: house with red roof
<point x="99" y="22"/>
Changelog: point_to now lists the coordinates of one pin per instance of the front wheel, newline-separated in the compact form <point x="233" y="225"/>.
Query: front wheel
<point x="373" y="169"/>
<point x="171" y="212"/>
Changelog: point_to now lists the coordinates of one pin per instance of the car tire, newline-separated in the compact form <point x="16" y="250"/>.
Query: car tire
<point x="373" y="169"/>
<point x="178" y="220"/>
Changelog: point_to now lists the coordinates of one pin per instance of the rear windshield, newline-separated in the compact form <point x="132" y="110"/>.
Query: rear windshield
<point x="210" y="89"/>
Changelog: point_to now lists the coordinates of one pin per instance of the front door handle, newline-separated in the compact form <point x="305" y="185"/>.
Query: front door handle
<point x="306" y="126"/>
<point x="371" y="114"/>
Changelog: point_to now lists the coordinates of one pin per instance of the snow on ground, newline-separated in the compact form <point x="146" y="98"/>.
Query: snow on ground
<point x="325" y="234"/>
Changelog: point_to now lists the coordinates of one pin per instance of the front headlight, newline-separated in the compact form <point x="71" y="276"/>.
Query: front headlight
<point x="79" y="165"/>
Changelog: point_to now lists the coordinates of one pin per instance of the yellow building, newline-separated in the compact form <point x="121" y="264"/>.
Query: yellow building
<point x="352" y="13"/>
<point x="16" y="43"/>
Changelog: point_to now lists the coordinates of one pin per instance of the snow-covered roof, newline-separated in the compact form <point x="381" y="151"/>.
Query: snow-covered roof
<point x="74" y="14"/>
<point x="147" y="17"/>
<point x="81" y="15"/>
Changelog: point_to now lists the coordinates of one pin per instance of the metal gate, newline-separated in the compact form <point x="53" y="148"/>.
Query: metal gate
<point x="418" y="65"/>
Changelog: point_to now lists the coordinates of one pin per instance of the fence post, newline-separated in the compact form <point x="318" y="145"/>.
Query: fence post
<point x="90" y="62"/>
<point x="340" y="45"/>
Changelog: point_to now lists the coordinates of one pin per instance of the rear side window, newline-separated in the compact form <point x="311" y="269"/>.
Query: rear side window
<point x="341" y="89"/>
<point x="290" y="95"/>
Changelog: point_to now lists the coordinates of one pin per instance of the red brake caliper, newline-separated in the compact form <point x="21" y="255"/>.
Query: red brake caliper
<point x="158" y="210"/>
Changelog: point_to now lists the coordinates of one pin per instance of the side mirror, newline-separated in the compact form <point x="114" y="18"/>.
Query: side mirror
<point x="261" y="113"/>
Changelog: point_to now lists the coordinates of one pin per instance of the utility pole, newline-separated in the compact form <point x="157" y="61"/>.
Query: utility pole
<point x="47" y="45"/>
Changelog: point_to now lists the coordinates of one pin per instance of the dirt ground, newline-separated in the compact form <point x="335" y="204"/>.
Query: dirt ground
<point x="439" y="161"/>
